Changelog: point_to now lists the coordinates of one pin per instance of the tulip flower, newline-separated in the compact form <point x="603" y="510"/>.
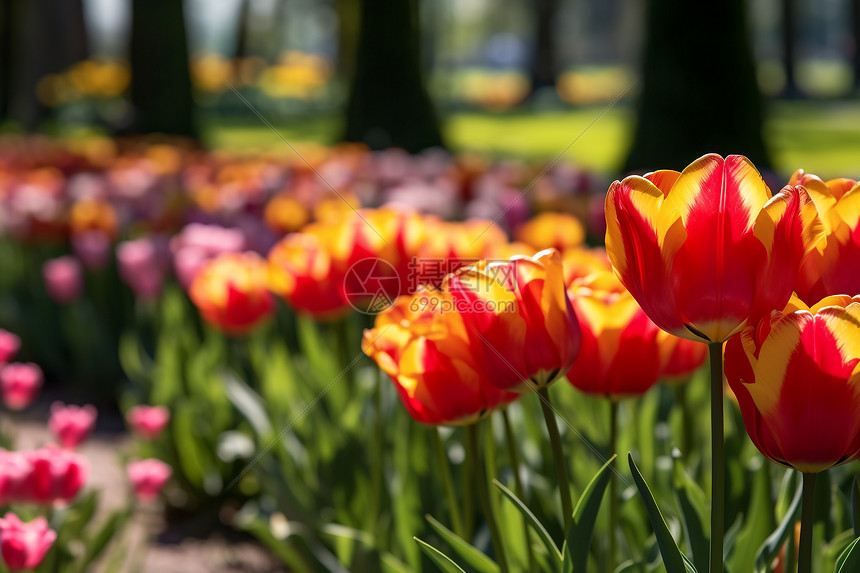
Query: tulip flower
<point x="24" y="545"/>
<point x="10" y="344"/>
<point x="93" y="215"/>
<point x="833" y="267"/>
<point x="148" y="477"/>
<point x="64" y="279"/>
<point x="92" y="248"/>
<point x="680" y="357"/>
<point x="620" y="351"/>
<point x="72" y="424"/>
<point x="551" y="231"/>
<point x="422" y="345"/>
<point x="519" y="319"/>
<point x="140" y="267"/>
<point x="795" y="377"/>
<point x="20" y="384"/>
<point x="301" y="271"/>
<point x="708" y="250"/>
<point x="57" y="475"/>
<point x="232" y="293"/>
<point x="15" y="472"/>
<point x="148" y="421"/>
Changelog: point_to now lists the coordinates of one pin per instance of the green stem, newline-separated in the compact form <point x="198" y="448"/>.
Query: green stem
<point x="377" y="474"/>
<point x="558" y="456"/>
<point x="468" y="489"/>
<point x="447" y="482"/>
<point x="514" y="456"/>
<point x="718" y="458"/>
<point x="613" y="487"/>
<point x="483" y="487"/>
<point x="807" y="521"/>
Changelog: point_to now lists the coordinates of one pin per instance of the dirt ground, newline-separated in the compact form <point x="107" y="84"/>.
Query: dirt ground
<point x="152" y="545"/>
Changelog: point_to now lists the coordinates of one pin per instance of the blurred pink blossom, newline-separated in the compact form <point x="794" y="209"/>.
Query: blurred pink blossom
<point x="72" y="424"/>
<point x="20" y="384"/>
<point x="15" y="471"/>
<point x="56" y="475"/>
<point x="92" y="248"/>
<point x="64" y="279"/>
<point x="24" y="545"/>
<point x="148" y="477"/>
<point x="140" y="267"/>
<point x="10" y="344"/>
<point x="148" y="421"/>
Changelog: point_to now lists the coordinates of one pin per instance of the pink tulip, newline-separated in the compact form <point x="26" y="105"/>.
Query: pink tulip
<point x="24" y="545"/>
<point x="71" y="424"/>
<point x="140" y="267"/>
<point x="187" y="261"/>
<point x="64" y="279"/>
<point x="148" y="477"/>
<point x="15" y="471"/>
<point x="20" y="384"/>
<point x="92" y="248"/>
<point x="56" y="475"/>
<point x="148" y="421"/>
<point x="10" y="344"/>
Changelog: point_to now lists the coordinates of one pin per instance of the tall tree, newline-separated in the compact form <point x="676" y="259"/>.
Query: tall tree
<point x="388" y="103"/>
<point x="27" y="55"/>
<point x="699" y="92"/>
<point x="544" y="66"/>
<point x="160" y="78"/>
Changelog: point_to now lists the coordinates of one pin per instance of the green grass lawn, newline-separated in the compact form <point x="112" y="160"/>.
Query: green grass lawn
<point x="822" y="138"/>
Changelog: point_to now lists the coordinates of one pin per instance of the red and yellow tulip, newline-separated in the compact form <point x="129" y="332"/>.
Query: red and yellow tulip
<point x="551" y="231"/>
<point x="232" y="294"/>
<point x="620" y="352"/>
<point x="833" y="267"/>
<point x="796" y="376"/>
<point x="708" y="250"/>
<point x="422" y="344"/>
<point x="680" y="357"/>
<point x="302" y="272"/>
<point x="519" y="319"/>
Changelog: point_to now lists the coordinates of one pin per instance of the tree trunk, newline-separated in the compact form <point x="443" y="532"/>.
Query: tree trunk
<point x="160" y="79"/>
<point x="789" y="23"/>
<point x="388" y="104"/>
<point x="544" y="68"/>
<point x="699" y="91"/>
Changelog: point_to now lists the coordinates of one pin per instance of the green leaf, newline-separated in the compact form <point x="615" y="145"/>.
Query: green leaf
<point x="673" y="559"/>
<point x="694" y="513"/>
<point x="771" y="546"/>
<point x="544" y="535"/>
<point x="249" y="403"/>
<point x="759" y="521"/>
<point x="443" y="561"/>
<point x="97" y="543"/>
<point x="190" y="455"/>
<point x="471" y="555"/>
<point x="578" y="540"/>
<point x="849" y="561"/>
<point x="855" y="505"/>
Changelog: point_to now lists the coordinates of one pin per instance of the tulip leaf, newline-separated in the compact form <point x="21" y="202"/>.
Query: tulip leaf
<point x="855" y="505"/>
<point x="445" y="563"/>
<point x="544" y="535"/>
<point x="249" y="403"/>
<point x="694" y="514"/>
<point x="673" y="559"/>
<point x="759" y="522"/>
<point x="471" y="555"/>
<point x="579" y="535"/>
<point x="96" y="544"/>
<point x="849" y="561"/>
<point x="771" y="546"/>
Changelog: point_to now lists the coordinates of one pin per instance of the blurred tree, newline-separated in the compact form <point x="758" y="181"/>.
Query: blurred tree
<point x="26" y="57"/>
<point x="544" y="66"/>
<point x="160" y="79"/>
<point x="855" y="32"/>
<point x="388" y="104"/>
<point x="699" y="92"/>
<point x="789" y="21"/>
